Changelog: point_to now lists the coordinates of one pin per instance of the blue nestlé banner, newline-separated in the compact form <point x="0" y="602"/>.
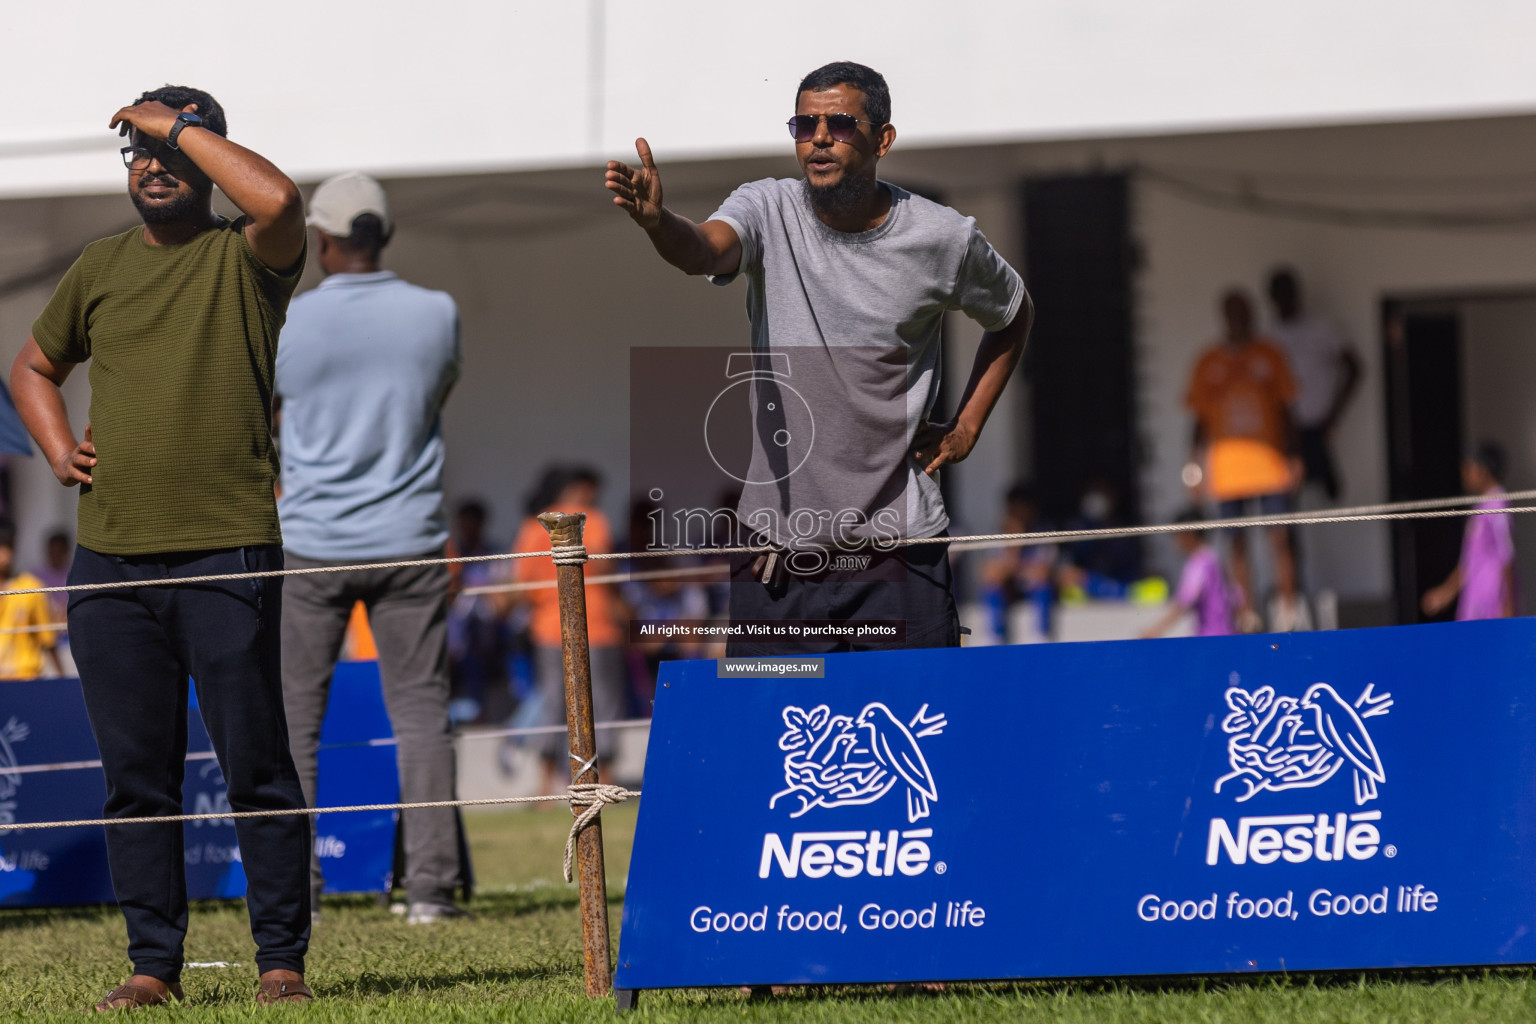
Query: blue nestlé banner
<point x="1309" y="801"/>
<point x="43" y="722"/>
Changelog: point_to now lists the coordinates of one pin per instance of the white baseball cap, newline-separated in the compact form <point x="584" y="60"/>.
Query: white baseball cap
<point x="340" y="200"/>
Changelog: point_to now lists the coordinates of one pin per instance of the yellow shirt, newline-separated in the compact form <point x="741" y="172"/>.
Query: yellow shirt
<point x="21" y="644"/>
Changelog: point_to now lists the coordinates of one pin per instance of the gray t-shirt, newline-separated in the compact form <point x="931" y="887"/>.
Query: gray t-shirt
<point x="364" y="366"/>
<point x="845" y="335"/>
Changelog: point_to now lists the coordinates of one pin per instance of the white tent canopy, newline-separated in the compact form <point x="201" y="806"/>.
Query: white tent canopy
<point x="396" y="88"/>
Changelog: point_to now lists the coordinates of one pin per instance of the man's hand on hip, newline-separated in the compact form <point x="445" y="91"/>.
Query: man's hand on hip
<point x="73" y="466"/>
<point x="939" y="444"/>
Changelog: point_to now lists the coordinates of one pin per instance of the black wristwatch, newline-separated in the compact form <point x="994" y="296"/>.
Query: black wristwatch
<point x="183" y="120"/>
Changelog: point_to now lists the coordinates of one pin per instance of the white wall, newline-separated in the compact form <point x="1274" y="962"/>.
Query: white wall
<point x="463" y="85"/>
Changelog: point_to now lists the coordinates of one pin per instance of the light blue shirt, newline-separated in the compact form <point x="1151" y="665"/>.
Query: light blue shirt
<point x="364" y="365"/>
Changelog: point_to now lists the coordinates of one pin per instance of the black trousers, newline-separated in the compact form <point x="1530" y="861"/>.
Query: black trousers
<point x="1317" y="460"/>
<point x="135" y="648"/>
<point x="910" y="585"/>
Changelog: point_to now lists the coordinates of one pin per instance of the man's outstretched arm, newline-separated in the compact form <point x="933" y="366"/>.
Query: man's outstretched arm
<point x="708" y="248"/>
<point x="938" y="444"/>
<point x="270" y="200"/>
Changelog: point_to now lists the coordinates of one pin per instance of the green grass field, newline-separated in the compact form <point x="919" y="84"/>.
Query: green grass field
<point x="521" y="960"/>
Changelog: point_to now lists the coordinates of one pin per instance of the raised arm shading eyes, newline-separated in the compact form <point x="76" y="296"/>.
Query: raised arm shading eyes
<point x="269" y="199"/>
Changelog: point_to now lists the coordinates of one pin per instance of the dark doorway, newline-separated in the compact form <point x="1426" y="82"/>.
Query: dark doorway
<point x="1422" y="355"/>
<point x="1080" y="362"/>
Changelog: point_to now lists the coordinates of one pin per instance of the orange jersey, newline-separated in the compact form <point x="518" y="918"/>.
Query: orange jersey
<point x="602" y="619"/>
<point x="1240" y="394"/>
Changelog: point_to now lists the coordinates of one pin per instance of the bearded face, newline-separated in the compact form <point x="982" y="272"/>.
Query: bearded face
<point x="169" y="188"/>
<point x="842" y="194"/>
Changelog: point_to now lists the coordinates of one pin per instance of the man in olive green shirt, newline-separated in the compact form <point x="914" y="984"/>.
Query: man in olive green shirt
<point x="179" y="320"/>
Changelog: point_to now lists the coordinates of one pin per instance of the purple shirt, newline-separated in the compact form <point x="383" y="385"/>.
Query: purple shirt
<point x="1203" y="589"/>
<point x="1487" y="549"/>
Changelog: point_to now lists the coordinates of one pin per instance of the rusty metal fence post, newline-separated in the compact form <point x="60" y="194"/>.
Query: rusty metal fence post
<point x="565" y="535"/>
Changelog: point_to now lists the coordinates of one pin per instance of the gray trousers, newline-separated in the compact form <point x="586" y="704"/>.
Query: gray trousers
<point x="408" y="612"/>
<point x="608" y="682"/>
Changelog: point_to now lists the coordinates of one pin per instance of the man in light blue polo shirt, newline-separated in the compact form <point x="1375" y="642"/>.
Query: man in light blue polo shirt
<point x="364" y="366"/>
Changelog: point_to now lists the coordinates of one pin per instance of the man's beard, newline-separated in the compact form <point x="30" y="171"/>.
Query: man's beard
<point x="848" y="193"/>
<point x="185" y="206"/>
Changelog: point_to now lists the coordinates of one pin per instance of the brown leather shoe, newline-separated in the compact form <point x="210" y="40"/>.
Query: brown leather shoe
<point x="138" y="992"/>
<point x="282" y="987"/>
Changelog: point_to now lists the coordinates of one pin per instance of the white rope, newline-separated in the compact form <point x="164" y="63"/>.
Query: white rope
<point x="267" y="573"/>
<point x="548" y="730"/>
<point x="590" y="795"/>
<point x="582" y="767"/>
<point x="1436" y="508"/>
<point x="498" y="588"/>
<point x="592" y="581"/>
<point x="594" y="796"/>
<point x="985" y="540"/>
<point x="1361" y="514"/>
<point x="569" y="554"/>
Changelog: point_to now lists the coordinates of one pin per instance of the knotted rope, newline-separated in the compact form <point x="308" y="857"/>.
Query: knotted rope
<point x="569" y="554"/>
<point x="593" y="796"/>
<point x="576" y="554"/>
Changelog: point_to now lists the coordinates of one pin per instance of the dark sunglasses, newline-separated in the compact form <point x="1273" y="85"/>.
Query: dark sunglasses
<point x="842" y="127"/>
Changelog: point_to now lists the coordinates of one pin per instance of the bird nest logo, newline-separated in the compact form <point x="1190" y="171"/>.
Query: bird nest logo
<point x="837" y="761"/>
<point x="10" y="779"/>
<point x="1279" y="743"/>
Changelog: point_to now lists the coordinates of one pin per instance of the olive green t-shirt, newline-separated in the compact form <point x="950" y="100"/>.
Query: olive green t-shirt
<point x="181" y="341"/>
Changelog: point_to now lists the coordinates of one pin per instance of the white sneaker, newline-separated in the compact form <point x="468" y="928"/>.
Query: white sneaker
<point x="432" y="913"/>
<point x="1289" y="616"/>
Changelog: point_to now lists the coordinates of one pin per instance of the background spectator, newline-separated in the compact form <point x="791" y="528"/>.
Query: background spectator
<point x="1024" y="573"/>
<point x="1101" y="568"/>
<point x="479" y="638"/>
<point x="1326" y="371"/>
<point x="1240" y="393"/>
<point x="569" y="489"/>
<point x="665" y="600"/>
<point x="58" y="554"/>
<point x="1203" y="588"/>
<point x="27" y="647"/>
<point x="366" y="363"/>
<point x="1484" y="579"/>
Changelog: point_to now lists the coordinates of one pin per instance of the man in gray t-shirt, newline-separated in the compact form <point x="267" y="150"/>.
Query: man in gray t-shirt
<point x="848" y="280"/>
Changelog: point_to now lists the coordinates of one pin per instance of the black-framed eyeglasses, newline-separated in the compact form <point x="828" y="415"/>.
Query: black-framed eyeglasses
<point x="136" y="158"/>
<point x="842" y="127"/>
